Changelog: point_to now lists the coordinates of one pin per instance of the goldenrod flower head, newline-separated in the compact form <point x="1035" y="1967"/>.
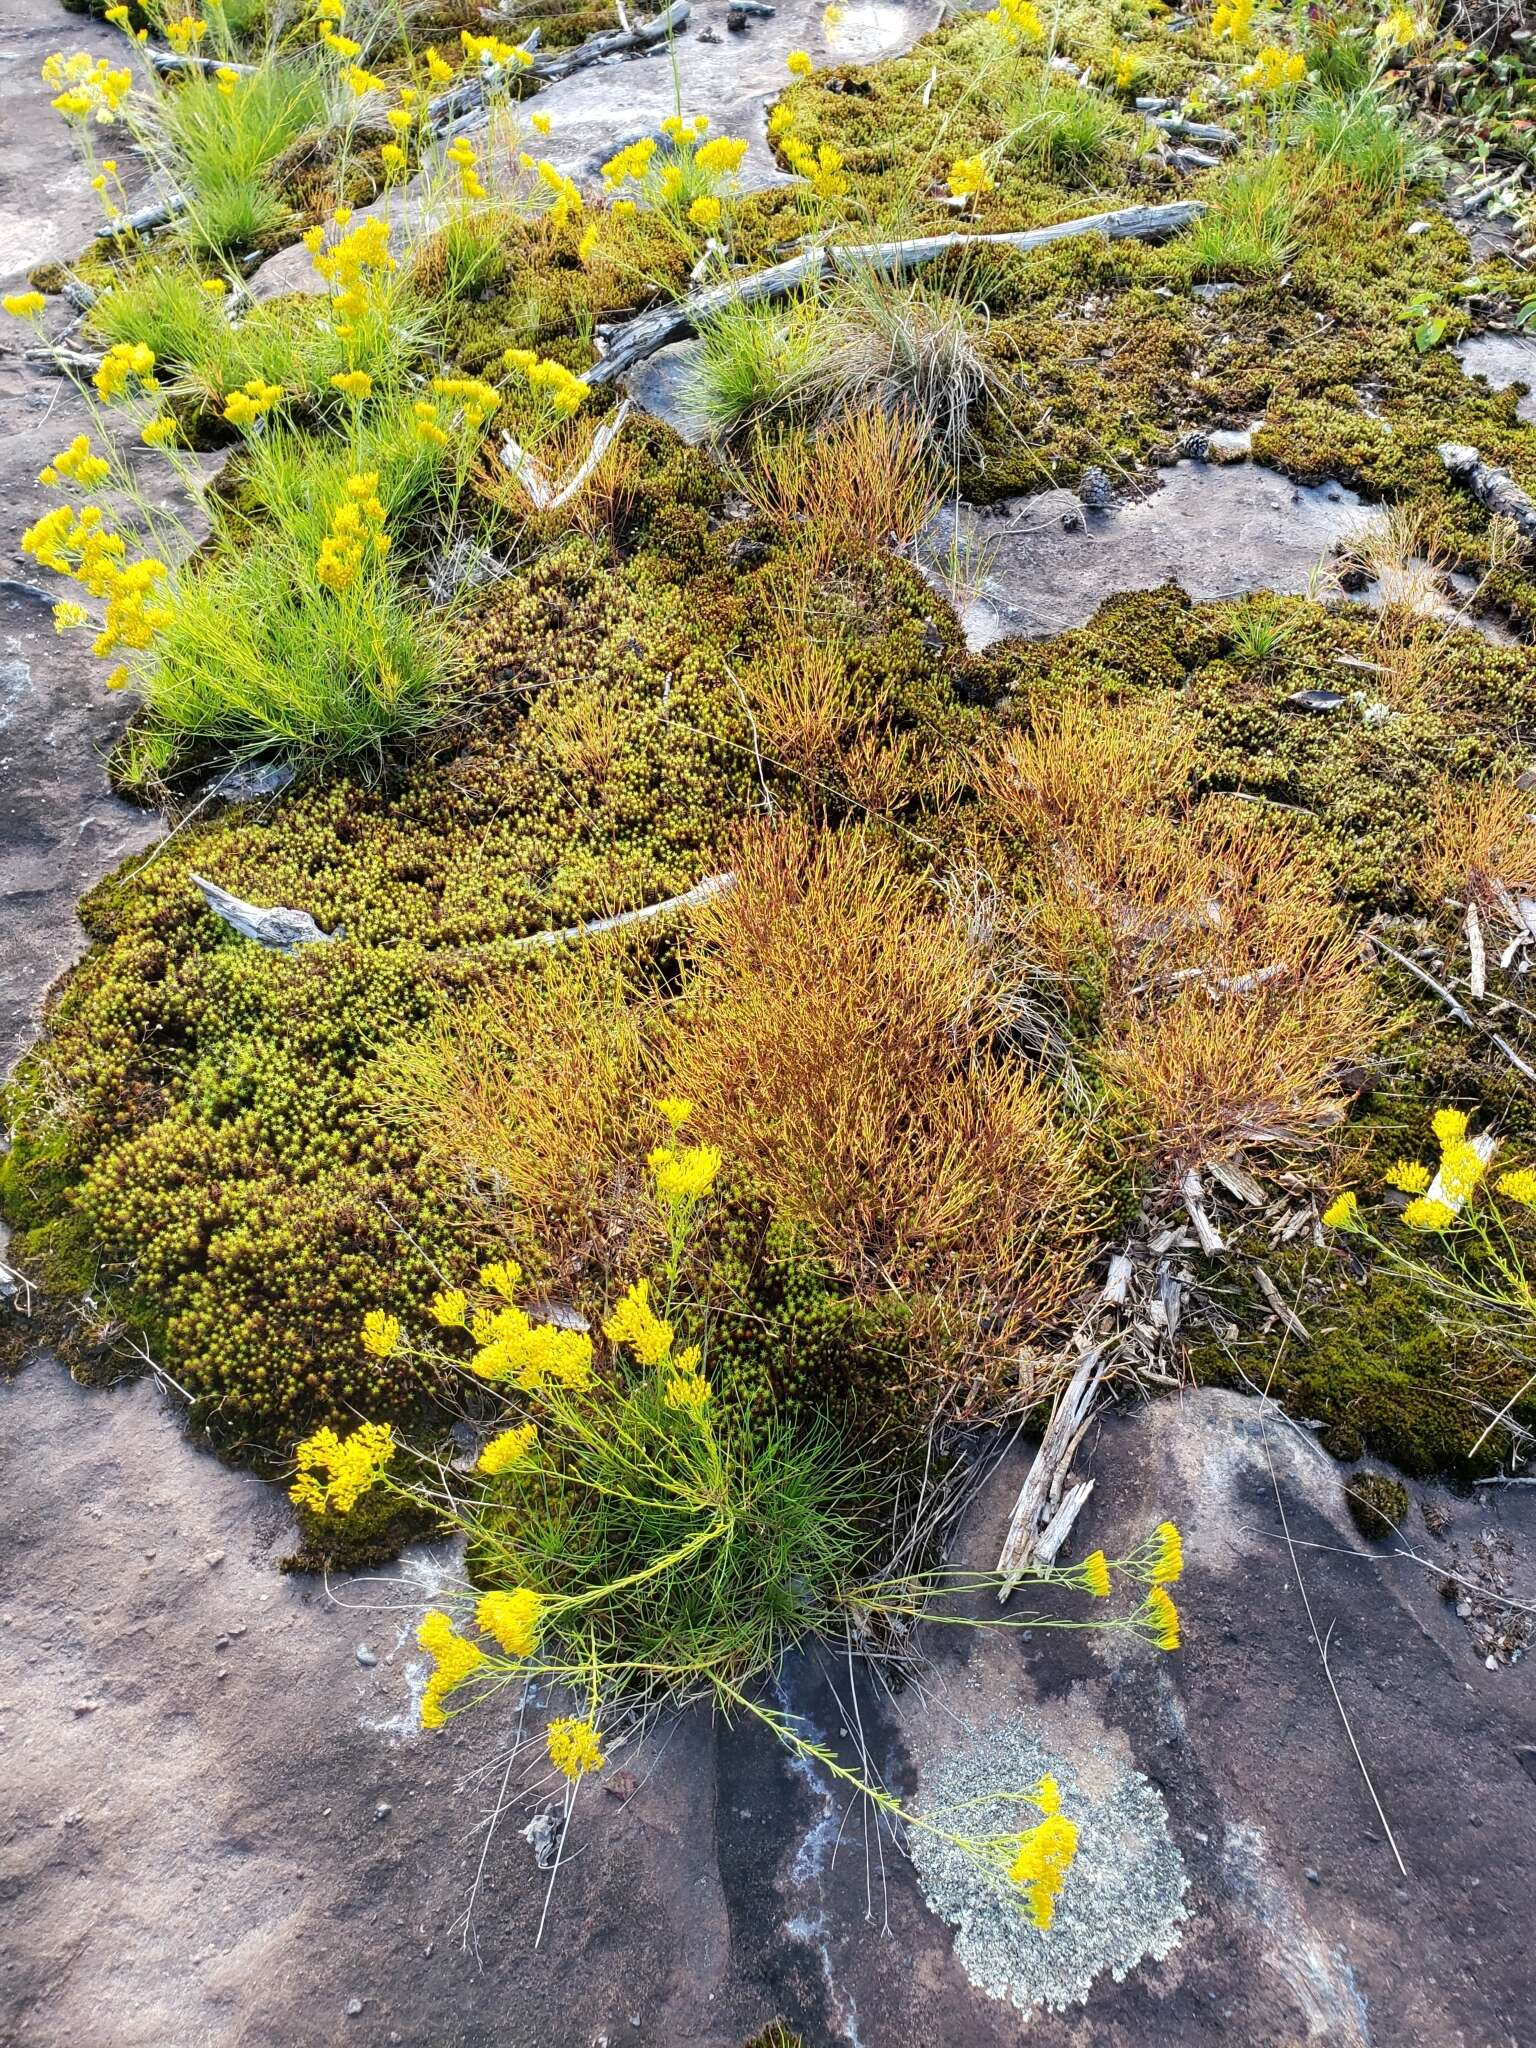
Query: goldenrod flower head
<point x="342" y="45"/>
<point x="186" y="34"/>
<point x="250" y="403"/>
<point x="686" y="1390"/>
<point x="1096" y="1574"/>
<point x="623" y="209"/>
<point x="1519" y="1185"/>
<point x="512" y="1619"/>
<point x="439" y="70"/>
<point x="1397" y="30"/>
<point x="24" y="305"/>
<point x="529" y="1354"/>
<point x="351" y="1464"/>
<point x="722" y="157"/>
<point x="67" y="615"/>
<point x="215" y="287"/>
<point x="504" y="1277"/>
<point x="450" y="1308"/>
<point x="705" y="213"/>
<point x="228" y="81"/>
<point x="509" y="1449"/>
<point x="676" y="1109"/>
<point x="629" y="164"/>
<point x="381" y="1333"/>
<point x="354" y="383"/>
<point x="588" y="243"/>
<point x="1019" y="21"/>
<point x="1168" y="1567"/>
<point x="1448" y="1125"/>
<point x="969" y="177"/>
<point x="1343" y="1212"/>
<point x="455" y="1659"/>
<point x="1409" y="1175"/>
<point x="1162" y="1618"/>
<point x="573" y="1747"/>
<point x="1429" y="1213"/>
<point x="393" y="158"/>
<point x="541" y="124"/>
<point x="635" y="1323"/>
<point x="686" y="1175"/>
<point x="1273" y="71"/>
<point x="124" y="363"/>
<point x="1232" y="21"/>
<point x="799" y="64"/>
<point x="79" y="464"/>
<point x="1045" y="1855"/>
<point x="1462" y="1166"/>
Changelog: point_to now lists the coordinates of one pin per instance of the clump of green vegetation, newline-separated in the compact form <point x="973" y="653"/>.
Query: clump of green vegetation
<point x="1377" y="1504"/>
<point x="219" y="148"/>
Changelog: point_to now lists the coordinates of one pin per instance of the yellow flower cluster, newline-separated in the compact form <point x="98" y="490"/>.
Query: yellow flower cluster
<point x="461" y="154"/>
<point x="439" y="70"/>
<point x="635" y="1323"/>
<point x="364" y="82"/>
<point x="353" y="383"/>
<point x="566" y="392"/>
<point x="120" y="17"/>
<point x="567" y="199"/>
<point x="1398" y="29"/>
<point x="822" y="168"/>
<point x="451" y="1308"/>
<point x="686" y="1386"/>
<point x="78" y="464"/>
<point x="799" y="63"/>
<point x="1045" y="1854"/>
<point x="630" y="165"/>
<point x="185" y="34"/>
<point x="357" y="521"/>
<point x="351" y="1464"/>
<point x="1519" y="1185"/>
<point x="684" y="1173"/>
<point x="1161" y="1618"/>
<point x="24" y="305"/>
<point x="455" y="1658"/>
<point x="508" y="1450"/>
<point x="498" y="61"/>
<point x="381" y="1333"/>
<point x="89" y="87"/>
<point x="722" y="157"/>
<point x="1343" y="1212"/>
<point x="82" y="547"/>
<point x="512" y="1619"/>
<point x="503" y="1277"/>
<point x="528" y="1354"/>
<point x="354" y="264"/>
<point x="125" y="363"/>
<point x="251" y="402"/>
<point x="1095" y="1574"/>
<point x="477" y="398"/>
<point x="1274" y="71"/>
<point x="228" y="81"/>
<point x="969" y="177"/>
<point x="573" y="1747"/>
<point x="1232" y="21"/>
<point x="1019" y="20"/>
<point x="1410" y="1175"/>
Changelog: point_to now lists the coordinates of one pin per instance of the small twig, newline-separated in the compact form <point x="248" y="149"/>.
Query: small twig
<point x="1457" y="1009"/>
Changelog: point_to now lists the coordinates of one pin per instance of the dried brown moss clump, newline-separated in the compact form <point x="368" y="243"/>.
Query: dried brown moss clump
<point x="1377" y="1504"/>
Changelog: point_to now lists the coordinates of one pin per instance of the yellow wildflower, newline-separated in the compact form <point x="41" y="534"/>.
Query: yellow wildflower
<point x="1273" y="71"/>
<point x="186" y="34"/>
<point x="1429" y="1213"/>
<point x="588" y="243"/>
<point x="969" y="177"/>
<point x="722" y="157"/>
<point x="455" y="1658"/>
<point x="355" y="383"/>
<point x="686" y="1390"/>
<point x="1162" y="1618"/>
<point x="68" y="615"/>
<point x="676" y="1109"/>
<point x="513" y="1619"/>
<point x="1232" y="21"/>
<point x="530" y="1354"/>
<point x="503" y="1277"/>
<point x="1409" y="1175"/>
<point x="1519" y="1185"/>
<point x="215" y="287"/>
<point x="227" y="80"/>
<point x="1448" y="1125"/>
<point x="687" y="1175"/>
<point x="1343" y="1212"/>
<point x="567" y="197"/>
<point x="439" y="70"/>
<point x="508" y="1449"/>
<point x="381" y="1333"/>
<point x="573" y="1747"/>
<point x="426" y="423"/>
<point x="705" y="213"/>
<point x="629" y="165"/>
<point x="623" y="209"/>
<point x="1168" y="1567"/>
<point x="1045" y="1855"/>
<point x="1096" y="1574"/>
<point x="450" y="1308"/>
<point x="351" y="1465"/>
<point x="243" y="407"/>
<point x="1019" y="19"/>
<point x="799" y="64"/>
<point x="541" y="124"/>
<point x="124" y="363"/>
<point x="24" y="305"/>
<point x="342" y="45"/>
<point x="393" y="158"/>
<point x="79" y="464"/>
<point x="635" y="1323"/>
<point x="1397" y="30"/>
<point x="1462" y="1166"/>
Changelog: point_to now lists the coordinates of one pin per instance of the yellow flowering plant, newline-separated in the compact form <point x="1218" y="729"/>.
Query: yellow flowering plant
<point x="639" y="1539"/>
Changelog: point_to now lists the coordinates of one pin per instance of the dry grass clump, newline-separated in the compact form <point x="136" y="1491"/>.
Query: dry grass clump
<point x="864" y="481"/>
<point x="539" y="1094"/>
<point x="841" y="1043"/>
<point x="1195" y="939"/>
<point x="1480" y="846"/>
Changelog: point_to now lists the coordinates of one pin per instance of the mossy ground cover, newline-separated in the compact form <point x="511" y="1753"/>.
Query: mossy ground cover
<point x="203" y="1142"/>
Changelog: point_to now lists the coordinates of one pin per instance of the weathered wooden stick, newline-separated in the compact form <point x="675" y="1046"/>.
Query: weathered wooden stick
<point x="469" y="95"/>
<point x="173" y="60"/>
<point x="701" y="892"/>
<point x="1193" y="1192"/>
<point x="273" y="925"/>
<point x="1044" y="1500"/>
<point x="544" y="495"/>
<point x="652" y="331"/>
<point x="1493" y="488"/>
<point x="1196" y="131"/>
<point x="147" y="217"/>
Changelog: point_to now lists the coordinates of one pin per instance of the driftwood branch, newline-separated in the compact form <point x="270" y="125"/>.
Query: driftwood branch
<point x="147" y="217"/>
<point x="543" y="494"/>
<point x="468" y="96"/>
<point x="701" y="892"/>
<point x="1495" y="489"/>
<point x="1050" y="1501"/>
<point x="1196" y="131"/>
<point x="272" y="926"/>
<point x="652" y="331"/>
<point x="167" y="61"/>
<point x="1457" y="1009"/>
